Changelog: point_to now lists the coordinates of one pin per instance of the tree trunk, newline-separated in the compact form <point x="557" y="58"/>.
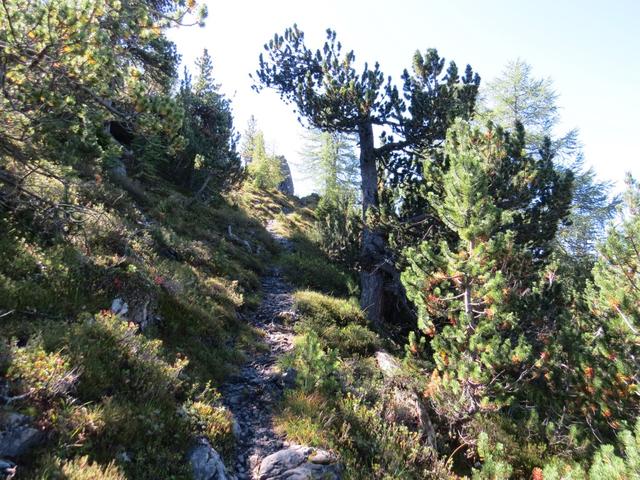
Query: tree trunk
<point x="372" y="253"/>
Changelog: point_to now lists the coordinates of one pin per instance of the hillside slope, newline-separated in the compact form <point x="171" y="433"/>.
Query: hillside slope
<point x="121" y="314"/>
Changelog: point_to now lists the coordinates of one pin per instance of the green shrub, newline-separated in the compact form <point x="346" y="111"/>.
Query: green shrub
<point x="325" y="310"/>
<point x="207" y="416"/>
<point x="38" y="374"/>
<point x="81" y="469"/>
<point x="384" y="450"/>
<point x="493" y="465"/>
<point x="116" y="359"/>
<point x="311" y="271"/>
<point x="316" y="367"/>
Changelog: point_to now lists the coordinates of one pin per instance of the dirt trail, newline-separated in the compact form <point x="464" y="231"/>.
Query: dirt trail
<point x="253" y="392"/>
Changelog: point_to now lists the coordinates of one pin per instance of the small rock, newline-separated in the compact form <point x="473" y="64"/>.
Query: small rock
<point x="7" y="469"/>
<point x="17" y="441"/>
<point x="206" y="463"/>
<point x="119" y="307"/>
<point x="300" y="462"/>
<point x="388" y="364"/>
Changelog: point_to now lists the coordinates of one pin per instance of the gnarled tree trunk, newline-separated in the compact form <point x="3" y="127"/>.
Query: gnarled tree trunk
<point x="372" y="280"/>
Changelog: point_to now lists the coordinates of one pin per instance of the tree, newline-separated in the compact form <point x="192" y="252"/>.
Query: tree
<point x="264" y="169"/>
<point x="516" y="96"/>
<point x="329" y="94"/>
<point x="613" y="335"/>
<point x="478" y="292"/>
<point x="248" y="140"/>
<point x="329" y="159"/>
<point x="209" y="158"/>
<point x="73" y="66"/>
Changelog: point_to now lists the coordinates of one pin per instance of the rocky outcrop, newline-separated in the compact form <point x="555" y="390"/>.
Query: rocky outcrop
<point x="300" y="463"/>
<point x="310" y="201"/>
<point x="286" y="186"/>
<point x="17" y="435"/>
<point x="205" y="462"/>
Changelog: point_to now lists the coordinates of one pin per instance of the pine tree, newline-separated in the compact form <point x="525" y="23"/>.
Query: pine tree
<point x="613" y="335"/>
<point x="464" y="292"/>
<point x="77" y="66"/>
<point x="208" y="161"/>
<point x="331" y="95"/>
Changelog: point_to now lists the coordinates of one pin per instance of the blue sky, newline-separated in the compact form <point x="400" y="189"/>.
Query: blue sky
<point x="590" y="49"/>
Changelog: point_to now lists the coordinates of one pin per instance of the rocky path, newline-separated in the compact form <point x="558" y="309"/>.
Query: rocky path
<point x="252" y="393"/>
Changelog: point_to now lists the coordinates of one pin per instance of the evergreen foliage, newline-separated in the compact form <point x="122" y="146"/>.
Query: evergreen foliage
<point x="209" y="159"/>
<point x="473" y="294"/>
<point x="264" y="169"/>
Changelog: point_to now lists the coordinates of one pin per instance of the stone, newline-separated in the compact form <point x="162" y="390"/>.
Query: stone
<point x="289" y="377"/>
<point x="7" y="469"/>
<point x="310" y="201"/>
<point x="17" y="435"/>
<point x="137" y="309"/>
<point x="206" y="463"/>
<point x="286" y="186"/>
<point x="299" y="462"/>
<point x="388" y="364"/>
<point x="119" y="307"/>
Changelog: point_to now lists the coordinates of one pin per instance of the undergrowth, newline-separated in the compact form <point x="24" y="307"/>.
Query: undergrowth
<point x="115" y="400"/>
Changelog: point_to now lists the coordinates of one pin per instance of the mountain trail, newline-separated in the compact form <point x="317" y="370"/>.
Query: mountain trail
<point x="252" y="393"/>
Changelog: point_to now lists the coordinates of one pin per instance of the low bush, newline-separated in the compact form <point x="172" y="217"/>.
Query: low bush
<point x="37" y="374"/>
<point x="115" y="359"/>
<point x="80" y="469"/>
<point x="309" y="271"/>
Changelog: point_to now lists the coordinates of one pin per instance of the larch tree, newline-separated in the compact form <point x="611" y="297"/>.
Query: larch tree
<point x="329" y="159"/>
<point x="518" y="96"/>
<point x="330" y="94"/>
<point x="249" y="140"/>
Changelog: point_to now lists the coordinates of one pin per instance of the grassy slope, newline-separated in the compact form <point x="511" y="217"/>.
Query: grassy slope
<point x="103" y="393"/>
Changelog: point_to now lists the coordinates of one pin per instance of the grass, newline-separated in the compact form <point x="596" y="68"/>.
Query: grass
<point x="339" y="323"/>
<point x="116" y="402"/>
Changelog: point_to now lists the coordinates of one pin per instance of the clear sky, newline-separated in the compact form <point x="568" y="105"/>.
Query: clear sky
<point x="590" y="49"/>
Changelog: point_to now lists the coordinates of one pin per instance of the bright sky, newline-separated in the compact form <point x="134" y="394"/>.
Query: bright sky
<point x="591" y="50"/>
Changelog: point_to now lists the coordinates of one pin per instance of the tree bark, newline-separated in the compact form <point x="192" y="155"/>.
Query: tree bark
<point x="372" y="253"/>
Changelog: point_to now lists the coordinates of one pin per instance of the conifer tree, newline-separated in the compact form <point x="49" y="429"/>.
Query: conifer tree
<point x="329" y="159"/>
<point x="209" y="158"/>
<point x="330" y="94"/>
<point x="72" y="66"/>
<point x="248" y="140"/>
<point x="517" y="96"/>
<point x="470" y="285"/>
<point x="611" y="371"/>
